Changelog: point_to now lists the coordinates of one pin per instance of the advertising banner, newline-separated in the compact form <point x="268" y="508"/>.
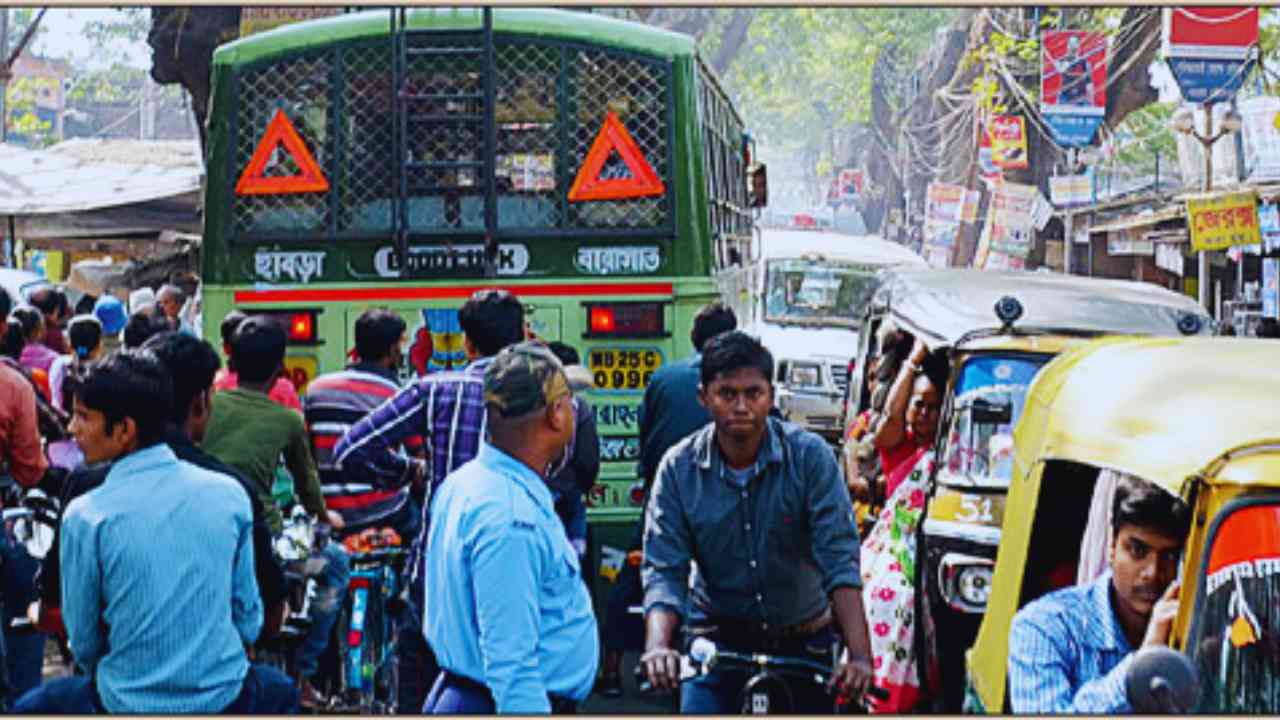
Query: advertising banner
<point x="1070" y="190"/>
<point x="1128" y="242"/>
<point x="1260" y="137"/>
<point x="1073" y="84"/>
<point x="1269" y="225"/>
<point x="1011" y="216"/>
<point x="1271" y="288"/>
<point x="1223" y="221"/>
<point x="1209" y="49"/>
<point x="944" y="202"/>
<point x="1008" y="142"/>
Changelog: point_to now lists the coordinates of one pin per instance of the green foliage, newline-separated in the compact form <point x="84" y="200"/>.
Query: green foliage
<point x="24" y="123"/>
<point x="805" y="72"/>
<point x="19" y="20"/>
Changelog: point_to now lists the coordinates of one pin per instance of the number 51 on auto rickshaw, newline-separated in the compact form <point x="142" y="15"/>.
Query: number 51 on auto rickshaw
<point x="1197" y="418"/>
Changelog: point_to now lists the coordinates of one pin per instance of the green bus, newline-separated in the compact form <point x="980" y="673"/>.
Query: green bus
<point x="406" y="158"/>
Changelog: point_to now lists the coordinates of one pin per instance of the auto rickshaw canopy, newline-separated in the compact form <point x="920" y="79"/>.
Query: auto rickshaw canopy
<point x="1159" y="408"/>
<point x="944" y="305"/>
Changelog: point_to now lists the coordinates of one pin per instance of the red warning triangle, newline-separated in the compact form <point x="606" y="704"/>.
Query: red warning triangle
<point x="588" y="185"/>
<point x="281" y="132"/>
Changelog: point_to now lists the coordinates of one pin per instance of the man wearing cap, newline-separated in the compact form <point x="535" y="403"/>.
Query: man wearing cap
<point x="509" y="618"/>
<point x="110" y="312"/>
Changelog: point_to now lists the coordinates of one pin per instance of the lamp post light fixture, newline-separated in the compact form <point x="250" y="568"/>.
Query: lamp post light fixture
<point x="1183" y="121"/>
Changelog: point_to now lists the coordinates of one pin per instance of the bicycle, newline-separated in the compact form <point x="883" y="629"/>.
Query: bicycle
<point x="768" y="690"/>
<point x="367" y="629"/>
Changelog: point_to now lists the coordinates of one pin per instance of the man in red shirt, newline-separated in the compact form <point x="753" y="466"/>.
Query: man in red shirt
<point x="282" y="392"/>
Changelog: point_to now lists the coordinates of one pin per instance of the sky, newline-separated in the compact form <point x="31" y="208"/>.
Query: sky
<point x="62" y="35"/>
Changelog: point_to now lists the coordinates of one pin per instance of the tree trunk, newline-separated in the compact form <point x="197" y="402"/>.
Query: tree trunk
<point x="183" y="40"/>
<point x="732" y="40"/>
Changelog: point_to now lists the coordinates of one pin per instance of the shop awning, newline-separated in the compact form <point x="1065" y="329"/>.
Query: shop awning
<point x="1150" y="217"/>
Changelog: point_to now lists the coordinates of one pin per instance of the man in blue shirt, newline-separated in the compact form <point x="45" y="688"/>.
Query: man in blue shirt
<point x="1070" y="650"/>
<point x="669" y="413"/>
<point x="158" y="588"/>
<point x="509" y="617"/>
<point x="749" y="539"/>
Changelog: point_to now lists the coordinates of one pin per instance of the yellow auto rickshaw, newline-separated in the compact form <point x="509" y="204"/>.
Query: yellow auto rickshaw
<point x="1198" y="418"/>
<point x="997" y="329"/>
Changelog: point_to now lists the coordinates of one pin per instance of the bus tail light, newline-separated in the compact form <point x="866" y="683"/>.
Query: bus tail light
<point x="625" y="319"/>
<point x="299" y="325"/>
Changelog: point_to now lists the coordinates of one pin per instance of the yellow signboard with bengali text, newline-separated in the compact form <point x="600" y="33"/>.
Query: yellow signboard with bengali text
<point x="1222" y="221"/>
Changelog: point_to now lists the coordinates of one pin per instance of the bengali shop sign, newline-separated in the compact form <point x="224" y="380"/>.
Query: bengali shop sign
<point x="1223" y="221"/>
<point x="1009" y="142"/>
<point x="1209" y="49"/>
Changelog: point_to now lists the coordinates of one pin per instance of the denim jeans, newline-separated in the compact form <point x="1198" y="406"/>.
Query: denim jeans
<point x="22" y="652"/>
<point x="331" y="590"/>
<point x="265" y="691"/>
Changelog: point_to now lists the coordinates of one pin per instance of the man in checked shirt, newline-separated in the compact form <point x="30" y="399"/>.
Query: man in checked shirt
<point x="447" y="410"/>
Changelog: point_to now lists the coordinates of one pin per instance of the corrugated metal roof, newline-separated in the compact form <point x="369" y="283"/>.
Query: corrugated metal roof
<point x="90" y="174"/>
<point x="1171" y="212"/>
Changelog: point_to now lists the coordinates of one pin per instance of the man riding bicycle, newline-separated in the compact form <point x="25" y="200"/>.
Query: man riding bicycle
<point x="756" y="510"/>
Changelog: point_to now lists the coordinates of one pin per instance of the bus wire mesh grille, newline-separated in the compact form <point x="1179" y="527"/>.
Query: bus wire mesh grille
<point x="300" y="87"/>
<point x="550" y="103"/>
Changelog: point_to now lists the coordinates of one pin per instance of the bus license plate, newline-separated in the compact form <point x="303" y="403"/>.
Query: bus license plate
<point x="623" y="369"/>
<point x="300" y="370"/>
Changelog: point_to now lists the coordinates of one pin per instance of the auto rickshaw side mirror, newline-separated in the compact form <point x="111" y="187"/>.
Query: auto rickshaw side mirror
<point x="986" y="412"/>
<point x="1162" y="681"/>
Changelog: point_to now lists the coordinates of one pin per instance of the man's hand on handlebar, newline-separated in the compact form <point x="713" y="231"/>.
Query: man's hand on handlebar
<point x="853" y="679"/>
<point x="662" y="667"/>
<point x="335" y="519"/>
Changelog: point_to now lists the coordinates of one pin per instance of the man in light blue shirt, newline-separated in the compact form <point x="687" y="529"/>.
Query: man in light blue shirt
<point x="158" y="586"/>
<point x="1069" y="651"/>
<point x="507" y="612"/>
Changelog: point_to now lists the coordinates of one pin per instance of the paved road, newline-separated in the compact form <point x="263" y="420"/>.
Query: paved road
<point x="631" y="702"/>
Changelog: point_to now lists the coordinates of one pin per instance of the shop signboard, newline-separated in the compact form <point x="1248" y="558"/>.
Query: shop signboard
<point x="1218" y="222"/>
<point x="1073" y="84"/>
<point x="1210" y="49"/>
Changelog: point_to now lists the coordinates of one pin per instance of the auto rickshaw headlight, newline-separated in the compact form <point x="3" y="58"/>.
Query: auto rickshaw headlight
<point x="974" y="585"/>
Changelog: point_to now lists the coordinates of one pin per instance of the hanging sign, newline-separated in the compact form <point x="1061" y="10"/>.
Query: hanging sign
<point x="1271" y="288"/>
<point x="1269" y="226"/>
<point x="1222" y="221"/>
<point x="1073" y="84"/>
<point x="590" y="183"/>
<point x="944" y="202"/>
<point x="1209" y="49"/>
<point x="309" y="177"/>
<point x="1260" y="137"/>
<point x="1008" y="142"/>
<point x="1070" y="190"/>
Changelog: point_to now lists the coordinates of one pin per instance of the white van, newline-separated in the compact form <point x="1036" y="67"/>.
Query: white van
<point x="803" y="297"/>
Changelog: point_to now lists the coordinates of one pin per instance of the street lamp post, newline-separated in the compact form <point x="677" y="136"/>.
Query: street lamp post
<point x="1183" y="121"/>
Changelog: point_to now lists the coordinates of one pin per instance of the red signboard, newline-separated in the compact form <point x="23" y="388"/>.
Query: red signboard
<point x="1073" y="72"/>
<point x="1224" y="32"/>
<point x="1008" y="142"/>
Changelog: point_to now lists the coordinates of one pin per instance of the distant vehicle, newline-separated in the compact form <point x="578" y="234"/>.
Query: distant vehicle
<point x="803" y="298"/>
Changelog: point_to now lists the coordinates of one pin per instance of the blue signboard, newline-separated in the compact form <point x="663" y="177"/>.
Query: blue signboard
<point x="1271" y="288"/>
<point x="1269" y="225"/>
<point x="1202" y="80"/>
<point x="1073" y="131"/>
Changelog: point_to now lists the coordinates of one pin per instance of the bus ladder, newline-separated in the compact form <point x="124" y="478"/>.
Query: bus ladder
<point x="425" y="113"/>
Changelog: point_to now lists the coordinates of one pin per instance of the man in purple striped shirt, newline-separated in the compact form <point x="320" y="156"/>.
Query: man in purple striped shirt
<point x="447" y="410"/>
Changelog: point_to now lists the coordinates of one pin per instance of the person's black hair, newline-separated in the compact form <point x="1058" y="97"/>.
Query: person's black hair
<point x="127" y="384"/>
<point x="229" y="325"/>
<point x="28" y="318"/>
<point x="935" y="368"/>
<point x="492" y="320"/>
<point x="14" y="340"/>
<point x="378" y="330"/>
<point x="6" y="303"/>
<point x="897" y="346"/>
<point x="731" y="351"/>
<point x="257" y="349"/>
<point x="711" y="320"/>
<point x="86" y="304"/>
<point x="141" y="326"/>
<point x="1143" y="504"/>
<point x="84" y="333"/>
<point x="45" y="300"/>
<point x="565" y="353"/>
<point x="191" y="364"/>
<point x="1268" y="328"/>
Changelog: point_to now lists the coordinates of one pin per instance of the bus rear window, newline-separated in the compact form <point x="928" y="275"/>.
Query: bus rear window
<point x="1236" y="641"/>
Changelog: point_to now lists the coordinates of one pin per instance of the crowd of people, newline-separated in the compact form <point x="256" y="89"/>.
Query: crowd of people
<point x="173" y="475"/>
